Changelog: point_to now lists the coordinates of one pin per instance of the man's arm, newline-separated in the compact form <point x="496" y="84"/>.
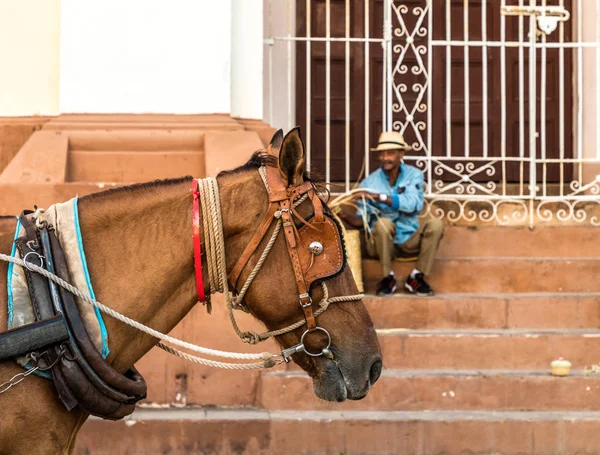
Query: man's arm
<point x="350" y="217"/>
<point x="365" y="206"/>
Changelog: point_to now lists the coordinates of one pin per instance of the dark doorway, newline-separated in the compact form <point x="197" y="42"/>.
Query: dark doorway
<point x="359" y="70"/>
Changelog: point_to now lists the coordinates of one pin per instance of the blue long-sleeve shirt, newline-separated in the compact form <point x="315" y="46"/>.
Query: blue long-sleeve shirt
<point x="406" y="196"/>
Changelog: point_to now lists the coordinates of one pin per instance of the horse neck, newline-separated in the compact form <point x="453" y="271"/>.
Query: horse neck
<point x="139" y="250"/>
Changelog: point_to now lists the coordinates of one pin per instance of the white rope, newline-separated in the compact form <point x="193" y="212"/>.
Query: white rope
<point x="267" y="363"/>
<point x="323" y="305"/>
<point x="131" y="322"/>
<point x="268" y="360"/>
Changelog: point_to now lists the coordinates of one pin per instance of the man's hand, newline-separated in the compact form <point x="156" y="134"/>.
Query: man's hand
<point x="385" y="199"/>
<point x="348" y="215"/>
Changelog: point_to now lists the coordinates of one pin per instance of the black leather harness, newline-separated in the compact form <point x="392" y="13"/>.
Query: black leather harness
<point x="81" y="376"/>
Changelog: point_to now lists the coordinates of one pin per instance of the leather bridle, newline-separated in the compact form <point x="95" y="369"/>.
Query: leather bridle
<point x="323" y="258"/>
<point x="280" y="205"/>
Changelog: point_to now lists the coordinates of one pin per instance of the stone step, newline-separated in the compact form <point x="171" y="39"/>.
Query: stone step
<point x="486" y="311"/>
<point x="119" y="166"/>
<point x="157" y="123"/>
<point x="488" y="349"/>
<point x="485" y="349"/>
<point x="247" y="431"/>
<point x="565" y="241"/>
<point x="443" y="390"/>
<point x="498" y="275"/>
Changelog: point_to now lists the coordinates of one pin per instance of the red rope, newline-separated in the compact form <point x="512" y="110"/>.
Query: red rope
<point x="197" y="240"/>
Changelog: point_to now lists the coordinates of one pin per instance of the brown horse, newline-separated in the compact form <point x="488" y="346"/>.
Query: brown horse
<point x="139" y="249"/>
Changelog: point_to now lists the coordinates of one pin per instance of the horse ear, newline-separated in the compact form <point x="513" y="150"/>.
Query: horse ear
<point x="291" y="159"/>
<point x="275" y="146"/>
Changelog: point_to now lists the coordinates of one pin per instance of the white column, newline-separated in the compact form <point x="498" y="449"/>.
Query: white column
<point x="247" y="59"/>
<point x="280" y="64"/>
<point x="145" y="56"/>
<point x="29" y="56"/>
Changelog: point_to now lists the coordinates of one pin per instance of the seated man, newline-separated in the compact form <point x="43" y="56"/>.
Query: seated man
<point x="392" y="217"/>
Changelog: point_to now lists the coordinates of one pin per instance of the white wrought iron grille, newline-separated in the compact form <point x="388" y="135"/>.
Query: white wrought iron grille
<point x="499" y="98"/>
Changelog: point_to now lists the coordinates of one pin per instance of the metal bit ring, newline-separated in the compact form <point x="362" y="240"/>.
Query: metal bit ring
<point x="33" y="253"/>
<point x="326" y="348"/>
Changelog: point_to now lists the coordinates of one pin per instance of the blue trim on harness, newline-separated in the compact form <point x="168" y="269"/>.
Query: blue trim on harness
<point x="13" y="253"/>
<point x="105" y="350"/>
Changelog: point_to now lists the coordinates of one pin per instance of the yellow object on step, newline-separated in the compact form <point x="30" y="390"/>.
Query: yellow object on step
<point x="560" y="367"/>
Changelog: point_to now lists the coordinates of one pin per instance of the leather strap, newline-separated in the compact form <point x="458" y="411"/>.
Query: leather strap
<point x="300" y="190"/>
<point x="37" y="285"/>
<point x="277" y="193"/>
<point x="290" y="237"/>
<point x="29" y="227"/>
<point x="282" y="199"/>
<point x="197" y="240"/>
<point x="285" y="205"/>
<point x="291" y="193"/>
<point x="318" y="206"/>
<point x="41" y="300"/>
<point x="255" y="241"/>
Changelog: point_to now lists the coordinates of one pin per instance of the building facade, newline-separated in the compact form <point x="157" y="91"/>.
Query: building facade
<point x="461" y="80"/>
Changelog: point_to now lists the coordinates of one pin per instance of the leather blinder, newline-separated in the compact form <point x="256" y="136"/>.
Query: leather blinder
<point x="331" y="260"/>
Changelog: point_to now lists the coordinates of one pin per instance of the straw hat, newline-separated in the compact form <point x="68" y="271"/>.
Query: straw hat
<point x="391" y="140"/>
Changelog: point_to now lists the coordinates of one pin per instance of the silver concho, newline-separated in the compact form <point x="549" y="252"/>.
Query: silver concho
<point x="315" y="248"/>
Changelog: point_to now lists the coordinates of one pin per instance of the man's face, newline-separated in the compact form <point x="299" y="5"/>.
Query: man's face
<point x="390" y="159"/>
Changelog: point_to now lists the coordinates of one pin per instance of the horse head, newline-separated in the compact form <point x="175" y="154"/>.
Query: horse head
<point x="339" y="348"/>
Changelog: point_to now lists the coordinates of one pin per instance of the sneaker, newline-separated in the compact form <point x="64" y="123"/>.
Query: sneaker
<point x="387" y="286"/>
<point x="417" y="285"/>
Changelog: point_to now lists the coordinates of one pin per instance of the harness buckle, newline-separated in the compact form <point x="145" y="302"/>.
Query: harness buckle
<point x="302" y="298"/>
<point x="28" y="262"/>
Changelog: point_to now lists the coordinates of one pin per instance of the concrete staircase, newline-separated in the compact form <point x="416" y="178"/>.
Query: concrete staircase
<point x="509" y="302"/>
<point x="465" y="372"/>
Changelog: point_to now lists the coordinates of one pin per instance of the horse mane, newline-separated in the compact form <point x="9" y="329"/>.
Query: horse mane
<point x="137" y="186"/>
<point x="262" y="158"/>
<point x="258" y="159"/>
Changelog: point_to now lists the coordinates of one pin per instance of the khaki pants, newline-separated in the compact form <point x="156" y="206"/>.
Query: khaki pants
<point x="423" y="243"/>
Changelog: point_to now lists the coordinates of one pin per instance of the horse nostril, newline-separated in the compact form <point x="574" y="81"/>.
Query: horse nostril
<point x="375" y="371"/>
